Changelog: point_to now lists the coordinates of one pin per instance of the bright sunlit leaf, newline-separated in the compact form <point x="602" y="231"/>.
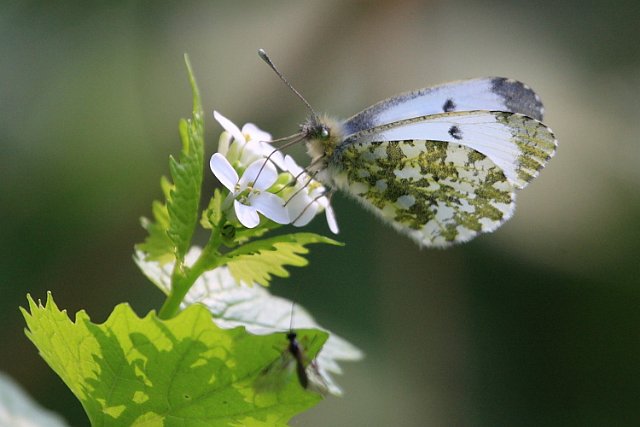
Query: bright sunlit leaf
<point x="259" y="260"/>
<point x="132" y="371"/>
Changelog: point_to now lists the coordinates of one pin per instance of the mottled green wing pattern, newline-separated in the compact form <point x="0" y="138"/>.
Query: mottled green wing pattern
<point x="519" y="145"/>
<point x="436" y="192"/>
<point x="535" y="141"/>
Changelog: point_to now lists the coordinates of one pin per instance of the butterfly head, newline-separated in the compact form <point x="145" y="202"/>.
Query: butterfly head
<point x="322" y="135"/>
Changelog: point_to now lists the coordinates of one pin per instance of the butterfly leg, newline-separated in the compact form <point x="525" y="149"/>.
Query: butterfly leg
<point x="328" y="194"/>
<point x="306" y="184"/>
<point x="294" y="139"/>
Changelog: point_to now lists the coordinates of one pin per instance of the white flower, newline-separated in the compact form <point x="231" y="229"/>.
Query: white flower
<point x="237" y="150"/>
<point x="249" y="192"/>
<point x="309" y="198"/>
<point x="243" y="147"/>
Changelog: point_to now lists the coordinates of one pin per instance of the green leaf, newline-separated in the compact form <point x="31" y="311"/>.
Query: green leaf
<point x="254" y="307"/>
<point x="186" y="173"/>
<point x="244" y="234"/>
<point x="132" y="371"/>
<point x="212" y="215"/>
<point x="259" y="260"/>
<point x="174" y="221"/>
<point x="157" y="246"/>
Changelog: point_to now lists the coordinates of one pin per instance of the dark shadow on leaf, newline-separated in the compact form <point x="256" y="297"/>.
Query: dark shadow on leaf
<point x="168" y="383"/>
<point x="204" y="379"/>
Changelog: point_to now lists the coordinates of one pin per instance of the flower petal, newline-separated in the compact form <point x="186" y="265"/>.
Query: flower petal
<point x="259" y="175"/>
<point x="247" y="215"/>
<point x="230" y="127"/>
<point x="270" y="206"/>
<point x="275" y="156"/>
<point x="228" y="201"/>
<point x="331" y="219"/>
<point x="223" y="143"/>
<point x="254" y="150"/>
<point x="301" y="209"/>
<point x="290" y="165"/>
<point x="254" y="133"/>
<point x="223" y="170"/>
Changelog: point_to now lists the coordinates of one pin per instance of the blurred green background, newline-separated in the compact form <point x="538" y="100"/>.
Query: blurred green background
<point x="536" y="324"/>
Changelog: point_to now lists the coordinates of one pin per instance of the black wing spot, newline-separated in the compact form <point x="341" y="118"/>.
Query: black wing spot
<point x="517" y="97"/>
<point x="455" y="132"/>
<point x="449" y="106"/>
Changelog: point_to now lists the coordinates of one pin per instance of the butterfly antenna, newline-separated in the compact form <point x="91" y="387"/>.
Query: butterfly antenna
<point x="292" y="140"/>
<point x="263" y="55"/>
<point x="307" y="206"/>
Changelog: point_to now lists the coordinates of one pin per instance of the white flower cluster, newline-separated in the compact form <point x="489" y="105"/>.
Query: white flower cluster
<point x="247" y="165"/>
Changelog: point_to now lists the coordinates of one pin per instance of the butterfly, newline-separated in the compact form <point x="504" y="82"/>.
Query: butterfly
<point x="440" y="164"/>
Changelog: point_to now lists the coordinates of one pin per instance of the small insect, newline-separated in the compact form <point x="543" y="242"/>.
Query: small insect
<point x="307" y="372"/>
<point x="440" y="164"/>
<point x="298" y="354"/>
<point x="278" y="373"/>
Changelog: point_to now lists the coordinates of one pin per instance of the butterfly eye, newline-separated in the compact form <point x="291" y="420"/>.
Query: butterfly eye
<point x="324" y="133"/>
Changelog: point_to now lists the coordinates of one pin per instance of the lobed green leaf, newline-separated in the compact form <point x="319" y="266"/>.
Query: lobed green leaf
<point x="132" y="371"/>
<point x="212" y="215"/>
<point x="259" y="260"/>
<point x="157" y="245"/>
<point x="254" y="307"/>
<point x="174" y="221"/>
<point x="186" y="173"/>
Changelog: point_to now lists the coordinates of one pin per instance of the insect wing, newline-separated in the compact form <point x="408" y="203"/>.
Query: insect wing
<point x="292" y="362"/>
<point x="277" y="374"/>
<point x="444" y="178"/>
<point x="517" y="144"/>
<point x="307" y="371"/>
<point x="315" y="380"/>
<point x="490" y="93"/>
<point x="435" y="192"/>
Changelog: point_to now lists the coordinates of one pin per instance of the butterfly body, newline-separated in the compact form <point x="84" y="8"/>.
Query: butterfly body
<point x="439" y="164"/>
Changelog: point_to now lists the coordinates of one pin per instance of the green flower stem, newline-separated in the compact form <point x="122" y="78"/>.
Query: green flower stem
<point x="183" y="277"/>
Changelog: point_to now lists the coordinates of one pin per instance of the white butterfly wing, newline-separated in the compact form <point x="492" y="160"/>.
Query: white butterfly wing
<point x="435" y="192"/>
<point x="517" y="144"/>
<point x="489" y="93"/>
<point x="443" y="178"/>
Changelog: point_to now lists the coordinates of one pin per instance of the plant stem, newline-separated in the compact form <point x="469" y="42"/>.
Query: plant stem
<point x="183" y="277"/>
